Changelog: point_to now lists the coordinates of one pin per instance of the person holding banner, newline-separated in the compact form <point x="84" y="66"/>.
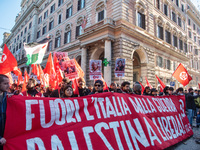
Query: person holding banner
<point x="4" y="87"/>
<point x="147" y="90"/>
<point x="113" y="88"/>
<point x="68" y="92"/>
<point x="179" y="91"/>
<point x="64" y="83"/>
<point x="98" y="87"/>
<point x="137" y="89"/>
<point x="154" y="92"/>
<point x="48" y="91"/>
<point x="125" y="87"/>
<point x="19" y="90"/>
<point x="31" y="91"/>
<point x="83" y="91"/>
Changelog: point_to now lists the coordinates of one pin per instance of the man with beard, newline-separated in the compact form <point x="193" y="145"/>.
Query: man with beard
<point x="31" y="91"/>
<point x="4" y="87"/>
<point x="83" y="91"/>
<point x="125" y="87"/>
<point x="57" y="93"/>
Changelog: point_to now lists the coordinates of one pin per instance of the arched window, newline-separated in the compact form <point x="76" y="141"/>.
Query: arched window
<point x="141" y="15"/>
<point x="160" y="23"/>
<point x="100" y="9"/>
<point x="67" y="36"/>
<point x="79" y="26"/>
<point x="69" y="10"/>
<point x="175" y="39"/>
<point x="168" y="33"/>
<point x="58" y="39"/>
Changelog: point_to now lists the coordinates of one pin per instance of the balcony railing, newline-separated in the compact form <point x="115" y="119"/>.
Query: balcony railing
<point x="100" y="23"/>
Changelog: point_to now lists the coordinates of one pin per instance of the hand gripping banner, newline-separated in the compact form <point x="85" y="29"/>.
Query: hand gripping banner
<point x="100" y="121"/>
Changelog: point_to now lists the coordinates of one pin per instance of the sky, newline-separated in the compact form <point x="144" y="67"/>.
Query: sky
<point x="10" y="8"/>
<point x="8" y="11"/>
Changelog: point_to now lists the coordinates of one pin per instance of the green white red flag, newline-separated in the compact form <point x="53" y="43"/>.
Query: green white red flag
<point x="35" y="52"/>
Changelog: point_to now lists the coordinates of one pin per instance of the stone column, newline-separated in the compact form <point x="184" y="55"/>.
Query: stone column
<point x="107" y="70"/>
<point x="84" y="61"/>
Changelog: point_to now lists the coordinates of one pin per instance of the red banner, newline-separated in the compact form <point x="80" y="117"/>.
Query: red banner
<point x="100" y="121"/>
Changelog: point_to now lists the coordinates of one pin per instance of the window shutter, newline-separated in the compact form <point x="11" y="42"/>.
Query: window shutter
<point x="77" y="31"/>
<point x="161" y="32"/>
<point x="56" y="41"/>
<point x="83" y="3"/>
<point x="69" y="36"/>
<point x="65" y="38"/>
<point x="143" y="21"/>
<point x="67" y="13"/>
<point x="79" y="5"/>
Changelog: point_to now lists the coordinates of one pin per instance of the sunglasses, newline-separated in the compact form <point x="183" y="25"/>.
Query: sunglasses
<point x="97" y="85"/>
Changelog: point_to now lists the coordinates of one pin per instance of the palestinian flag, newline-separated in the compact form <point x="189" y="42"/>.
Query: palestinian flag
<point x="35" y="52"/>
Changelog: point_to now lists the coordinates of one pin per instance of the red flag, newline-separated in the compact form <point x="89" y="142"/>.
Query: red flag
<point x="7" y="62"/>
<point x="35" y="70"/>
<point x="41" y="74"/>
<point x="49" y="69"/>
<point x="182" y="75"/>
<point x="26" y="77"/>
<point x="148" y="84"/>
<point x="58" y="70"/>
<point x="142" y="88"/>
<point x="199" y="85"/>
<point x="75" y="86"/>
<point x="105" y="86"/>
<point x="161" y="83"/>
<point x="79" y="69"/>
<point x="18" y="73"/>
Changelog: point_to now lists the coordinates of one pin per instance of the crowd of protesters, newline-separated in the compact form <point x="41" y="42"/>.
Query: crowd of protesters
<point x="33" y="89"/>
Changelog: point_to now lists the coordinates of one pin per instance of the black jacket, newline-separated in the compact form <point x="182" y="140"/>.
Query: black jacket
<point x="190" y="104"/>
<point x="84" y="91"/>
<point x="3" y="105"/>
<point x="55" y="93"/>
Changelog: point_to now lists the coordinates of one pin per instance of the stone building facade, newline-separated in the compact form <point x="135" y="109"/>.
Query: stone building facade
<point x="154" y="36"/>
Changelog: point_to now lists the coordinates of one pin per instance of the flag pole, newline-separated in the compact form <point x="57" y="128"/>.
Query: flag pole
<point x="30" y="69"/>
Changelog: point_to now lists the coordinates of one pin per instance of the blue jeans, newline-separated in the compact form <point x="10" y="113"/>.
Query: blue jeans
<point x="190" y="115"/>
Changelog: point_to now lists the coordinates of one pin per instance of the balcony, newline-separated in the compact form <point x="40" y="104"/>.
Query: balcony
<point x="100" y="23"/>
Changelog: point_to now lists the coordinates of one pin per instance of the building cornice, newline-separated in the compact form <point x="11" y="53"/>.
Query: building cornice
<point x="24" y="16"/>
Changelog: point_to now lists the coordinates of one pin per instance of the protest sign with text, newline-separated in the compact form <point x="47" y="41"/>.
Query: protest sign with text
<point x="99" y="121"/>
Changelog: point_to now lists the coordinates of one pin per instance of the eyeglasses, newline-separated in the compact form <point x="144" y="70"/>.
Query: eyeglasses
<point x="97" y="85"/>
